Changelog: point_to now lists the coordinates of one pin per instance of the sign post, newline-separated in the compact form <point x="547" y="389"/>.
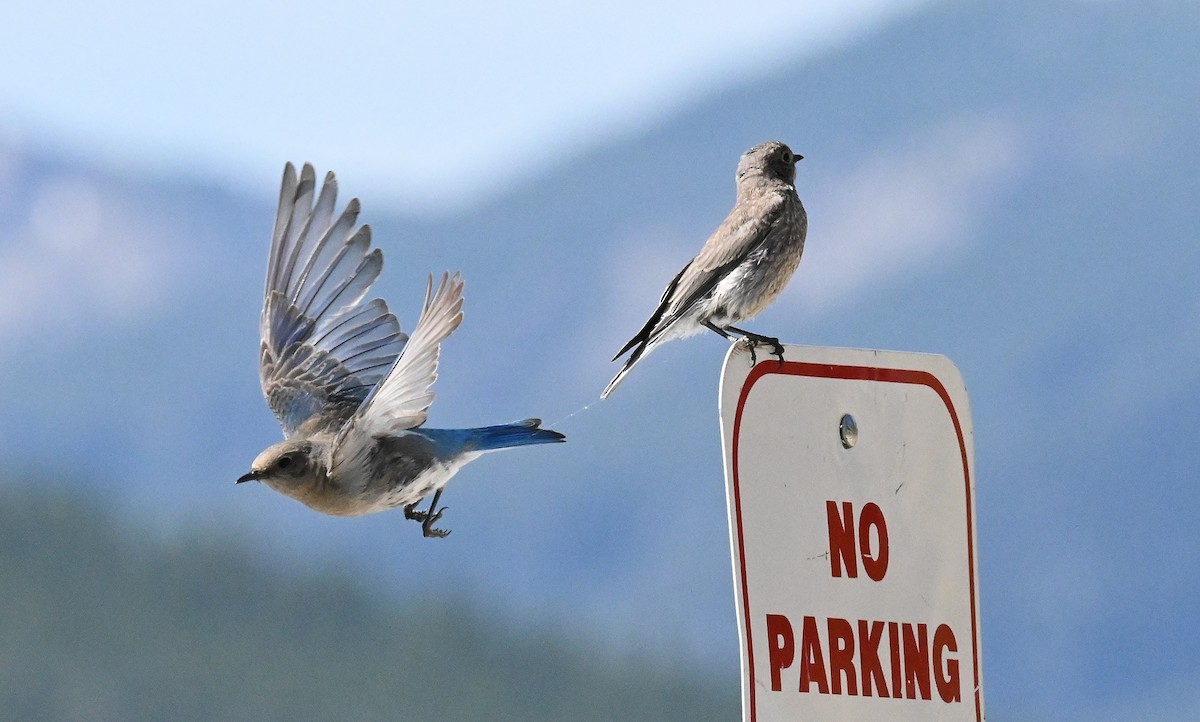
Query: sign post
<point x="851" y="484"/>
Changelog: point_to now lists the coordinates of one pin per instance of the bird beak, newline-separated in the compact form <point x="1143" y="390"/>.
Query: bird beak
<point x="252" y="476"/>
<point x="799" y="158"/>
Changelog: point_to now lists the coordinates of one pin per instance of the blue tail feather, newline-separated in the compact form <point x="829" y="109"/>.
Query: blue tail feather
<point x="490" y="438"/>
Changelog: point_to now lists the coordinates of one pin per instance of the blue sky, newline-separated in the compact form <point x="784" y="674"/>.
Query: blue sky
<point x="418" y="102"/>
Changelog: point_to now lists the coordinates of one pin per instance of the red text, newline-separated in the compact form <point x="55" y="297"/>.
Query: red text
<point x="867" y="657"/>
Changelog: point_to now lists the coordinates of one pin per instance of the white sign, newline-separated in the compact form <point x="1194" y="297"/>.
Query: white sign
<point x="851" y="484"/>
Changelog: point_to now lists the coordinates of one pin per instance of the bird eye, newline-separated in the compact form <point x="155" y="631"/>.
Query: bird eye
<point x="284" y="462"/>
<point x="787" y="156"/>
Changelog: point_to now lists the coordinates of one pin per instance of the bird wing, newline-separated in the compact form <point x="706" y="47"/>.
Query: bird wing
<point x="745" y="229"/>
<point x="323" y="350"/>
<point x="402" y="399"/>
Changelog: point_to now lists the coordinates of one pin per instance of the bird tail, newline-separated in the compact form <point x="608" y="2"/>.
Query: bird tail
<point x="645" y="340"/>
<point x="522" y="433"/>
<point x="639" y="352"/>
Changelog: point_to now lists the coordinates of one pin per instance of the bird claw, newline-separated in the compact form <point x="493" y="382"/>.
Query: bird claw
<point x="749" y="344"/>
<point x="427" y="520"/>
<point x="777" y="350"/>
<point x="752" y="341"/>
<point x="427" y="525"/>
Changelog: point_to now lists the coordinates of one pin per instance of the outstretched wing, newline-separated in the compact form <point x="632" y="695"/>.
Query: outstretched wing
<point x="323" y="351"/>
<point x="402" y="399"/>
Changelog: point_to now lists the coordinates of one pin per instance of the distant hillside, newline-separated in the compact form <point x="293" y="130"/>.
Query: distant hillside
<point x="99" y="623"/>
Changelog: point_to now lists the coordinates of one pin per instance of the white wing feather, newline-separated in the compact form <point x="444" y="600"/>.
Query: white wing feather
<point x="402" y="399"/>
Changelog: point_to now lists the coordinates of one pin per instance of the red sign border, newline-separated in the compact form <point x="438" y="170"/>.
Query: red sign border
<point x="851" y="373"/>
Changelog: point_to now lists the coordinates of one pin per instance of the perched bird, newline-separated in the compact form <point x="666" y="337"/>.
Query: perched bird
<point x="742" y="267"/>
<point x="350" y="389"/>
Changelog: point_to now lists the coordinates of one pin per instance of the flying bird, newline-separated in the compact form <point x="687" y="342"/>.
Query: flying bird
<point x="742" y="267"/>
<point x="350" y="389"/>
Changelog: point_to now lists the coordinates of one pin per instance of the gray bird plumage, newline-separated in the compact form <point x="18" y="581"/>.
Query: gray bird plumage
<point x="350" y="389"/>
<point x="742" y="267"/>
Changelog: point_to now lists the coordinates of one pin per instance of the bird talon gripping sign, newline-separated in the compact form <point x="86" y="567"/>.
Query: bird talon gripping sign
<point x="850" y="480"/>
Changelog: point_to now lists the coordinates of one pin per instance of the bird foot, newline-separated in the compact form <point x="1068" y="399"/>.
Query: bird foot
<point x="427" y="525"/>
<point x="428" y="518"/>
<point x="753" y="340"/>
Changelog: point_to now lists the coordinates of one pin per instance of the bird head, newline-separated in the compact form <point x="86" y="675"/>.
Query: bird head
<point x="772" y="160"/>
<point x="285" y="465"/>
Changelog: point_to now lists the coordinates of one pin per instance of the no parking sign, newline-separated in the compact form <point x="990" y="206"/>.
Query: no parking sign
<point x="850" y="479"/>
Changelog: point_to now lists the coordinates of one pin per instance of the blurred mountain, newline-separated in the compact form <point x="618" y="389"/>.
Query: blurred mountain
<point x="1013" y="185"/>
<point x="96" y="626"/>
